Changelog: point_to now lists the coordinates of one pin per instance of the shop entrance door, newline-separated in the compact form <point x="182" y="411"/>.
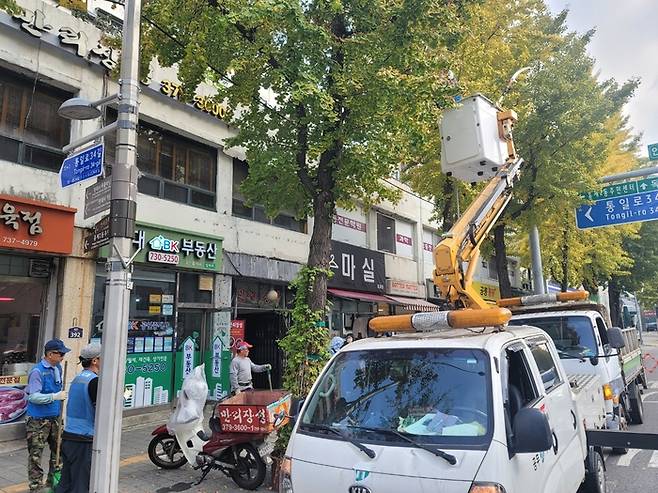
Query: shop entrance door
<point x="195" y="345"/>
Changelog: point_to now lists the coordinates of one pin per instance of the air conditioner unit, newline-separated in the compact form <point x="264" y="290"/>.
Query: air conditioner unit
<point x="39" y="268"/>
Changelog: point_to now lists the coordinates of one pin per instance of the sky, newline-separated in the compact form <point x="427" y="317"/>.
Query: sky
<point x="625" y="45"/>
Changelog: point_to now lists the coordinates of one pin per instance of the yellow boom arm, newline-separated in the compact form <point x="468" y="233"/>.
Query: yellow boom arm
<point x="461" y="245"/>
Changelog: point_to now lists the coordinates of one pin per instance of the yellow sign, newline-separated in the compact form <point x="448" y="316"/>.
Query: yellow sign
<point x="13" y="380"/>
<point x="489" y="292"/>
<point x="203" y="103"/>
<point x="154" y="309"/>
<point x="155" y="298"/>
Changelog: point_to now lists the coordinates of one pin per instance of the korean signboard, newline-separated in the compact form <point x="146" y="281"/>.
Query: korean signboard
<point x="42" y="24"/>
<point x="34" y="225"/>
<point x="148" y="380"/>
<point x="161" y="246"/>
<point x="356" y="268"/>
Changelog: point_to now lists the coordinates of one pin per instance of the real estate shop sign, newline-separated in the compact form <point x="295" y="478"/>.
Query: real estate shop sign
<point x="357" y="268"/>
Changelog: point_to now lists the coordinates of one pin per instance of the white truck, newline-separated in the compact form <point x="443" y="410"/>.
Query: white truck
<point x="580" y="333"/>
<point x="472" y="410"/>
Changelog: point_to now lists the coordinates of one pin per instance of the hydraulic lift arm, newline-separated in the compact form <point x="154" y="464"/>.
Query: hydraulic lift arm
<point x="461" y="245"/>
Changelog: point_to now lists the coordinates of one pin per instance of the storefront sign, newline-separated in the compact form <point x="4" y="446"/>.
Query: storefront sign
<point x="202" y="103"/>
<point x="27" y="224"/>
<point x="349" y="223"/>
<point x="173" y="247"/>
<point x="188" y="356"/>
<point x="403" y="288"/>
<point x="356" y="268"/>
<point x="405" y="240"/>
<point x="13" y="380"/>
<point x="216" y="357"/>
<point x="36" y="24"/>
<point x="237" y="332"/>
<point x="148" y="380"/>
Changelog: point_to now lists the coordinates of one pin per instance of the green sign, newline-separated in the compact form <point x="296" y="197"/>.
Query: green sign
<point x="653" y="152"/>
<point x="622" y="189"/>
<point x="166" y="246"/>
<point x="148" y="380"/>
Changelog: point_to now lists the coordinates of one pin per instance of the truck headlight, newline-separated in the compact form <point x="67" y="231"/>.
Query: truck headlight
<point x="486" y="488"/>
<point x="285" y="476"/>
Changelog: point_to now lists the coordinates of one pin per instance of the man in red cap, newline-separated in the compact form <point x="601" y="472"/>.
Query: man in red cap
<point x="241" y="368"/>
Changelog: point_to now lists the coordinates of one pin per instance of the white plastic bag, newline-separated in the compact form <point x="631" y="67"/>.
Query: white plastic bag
<point x="191" y="400"/>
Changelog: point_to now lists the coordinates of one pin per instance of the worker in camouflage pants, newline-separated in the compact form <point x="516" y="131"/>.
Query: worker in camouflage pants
<point x="44" y="404"/>
<point x="39" y="433"/>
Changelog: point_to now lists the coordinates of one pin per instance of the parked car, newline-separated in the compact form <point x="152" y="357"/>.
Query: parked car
<point x="651" y="327"/>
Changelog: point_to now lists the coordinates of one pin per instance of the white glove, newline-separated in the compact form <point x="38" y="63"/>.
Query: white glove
<point x="268" y="367"/>
<point x="60" y="396"/>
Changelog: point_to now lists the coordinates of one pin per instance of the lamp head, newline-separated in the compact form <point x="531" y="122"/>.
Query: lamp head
<point x="78" y="109"/>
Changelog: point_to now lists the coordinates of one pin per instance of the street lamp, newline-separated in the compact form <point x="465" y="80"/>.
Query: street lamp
<point x="82" y="109"/>
<point x="123" y="206"/>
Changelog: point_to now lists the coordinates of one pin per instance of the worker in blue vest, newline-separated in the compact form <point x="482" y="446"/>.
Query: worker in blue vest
<point x="44" y="403"/>
<point x="78" y="434"/>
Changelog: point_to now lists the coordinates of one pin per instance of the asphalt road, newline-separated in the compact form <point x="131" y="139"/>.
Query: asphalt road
<point x="637" y="471"/>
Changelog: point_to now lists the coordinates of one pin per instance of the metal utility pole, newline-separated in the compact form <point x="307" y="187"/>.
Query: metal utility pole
<point x="107" y="440"/>
<point x="537" y="270"/>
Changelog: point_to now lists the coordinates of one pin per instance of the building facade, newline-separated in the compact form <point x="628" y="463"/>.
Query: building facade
<point x="210" y="268"/>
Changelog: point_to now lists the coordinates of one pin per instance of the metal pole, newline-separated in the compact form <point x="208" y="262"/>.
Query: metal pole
<point x="630" y="174"/>
<point x="537" y="271"/>
<point x="107" y="439"/>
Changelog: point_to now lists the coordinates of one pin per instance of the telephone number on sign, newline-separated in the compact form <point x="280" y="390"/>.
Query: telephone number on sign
<point x="10" y="240"/>
<point x="164" y="258"/>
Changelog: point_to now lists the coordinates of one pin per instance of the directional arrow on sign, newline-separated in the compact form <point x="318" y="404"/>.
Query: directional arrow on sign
<point x="588" y="214"/>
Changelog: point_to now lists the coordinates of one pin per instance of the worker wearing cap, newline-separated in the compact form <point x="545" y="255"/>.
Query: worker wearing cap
<point x="78" y="434"/>
<point x="44" y="403"/>
<point x="241" y="368"/>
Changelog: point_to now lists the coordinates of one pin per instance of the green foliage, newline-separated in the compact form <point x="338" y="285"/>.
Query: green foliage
<point x="9" y="6"/>
<point x="305" y="346"/>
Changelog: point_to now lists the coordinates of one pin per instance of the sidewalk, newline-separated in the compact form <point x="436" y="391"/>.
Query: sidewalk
<point x="138" y="474"/>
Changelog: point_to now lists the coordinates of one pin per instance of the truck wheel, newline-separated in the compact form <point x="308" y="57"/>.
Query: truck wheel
<point x="636" y="412"/>
<point x="595" y="475"/>
<point x="623" y="424"/>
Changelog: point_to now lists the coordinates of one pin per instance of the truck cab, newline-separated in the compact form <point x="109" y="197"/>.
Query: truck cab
<point x="582" y="337"/>
<point x="457" y="411"/>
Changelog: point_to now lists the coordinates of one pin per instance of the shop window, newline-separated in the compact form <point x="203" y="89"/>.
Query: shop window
<point x="173" y="168"/>
<point x="189" y="289"/>
<point x="385" y="233"/>
<point x="31" y="132"/>
<point x="257" y="213"/>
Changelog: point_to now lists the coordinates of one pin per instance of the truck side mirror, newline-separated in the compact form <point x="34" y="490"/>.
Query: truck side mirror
<point x="532" y="432"/>
<point x="616" y="338"/>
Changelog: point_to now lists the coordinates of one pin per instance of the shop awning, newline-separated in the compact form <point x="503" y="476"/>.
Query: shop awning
<point x="414" y="304"/>
<point x="357" y="295"/>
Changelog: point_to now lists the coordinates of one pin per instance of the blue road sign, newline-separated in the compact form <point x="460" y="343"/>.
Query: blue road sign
<point x="653" y="152"/>
<point x="83" y="165"/>
<point x="631" y="208"/>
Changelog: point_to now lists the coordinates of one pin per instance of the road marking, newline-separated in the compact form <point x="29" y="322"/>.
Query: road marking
<point x="654" y="459"/>
<point x="25" y="487"/>
<point x="625" y="460"/>
<point x="648" y="394"/>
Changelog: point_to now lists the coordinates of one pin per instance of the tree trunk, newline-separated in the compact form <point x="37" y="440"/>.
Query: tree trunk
<point x="501" y="261"/>
<point x="614" y="293"/>
<point x="320" y="248"/>
<point x="449" y="211"/>
<point x="565" y="261"/>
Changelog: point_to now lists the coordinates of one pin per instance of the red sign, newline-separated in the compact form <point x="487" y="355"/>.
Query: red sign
<point x="350" y="223"/>
<point x="244" y="419"/>
<point x="237" y="332"/>
<point x="27" y="224"/>
<point x="405" y="240"/>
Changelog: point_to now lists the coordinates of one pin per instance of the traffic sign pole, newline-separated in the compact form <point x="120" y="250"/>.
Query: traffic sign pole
<point x="107" y="439"/>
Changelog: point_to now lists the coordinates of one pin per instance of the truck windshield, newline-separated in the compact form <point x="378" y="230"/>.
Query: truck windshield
<point x="573" y="335"/>
<point x="434" y="396"/>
